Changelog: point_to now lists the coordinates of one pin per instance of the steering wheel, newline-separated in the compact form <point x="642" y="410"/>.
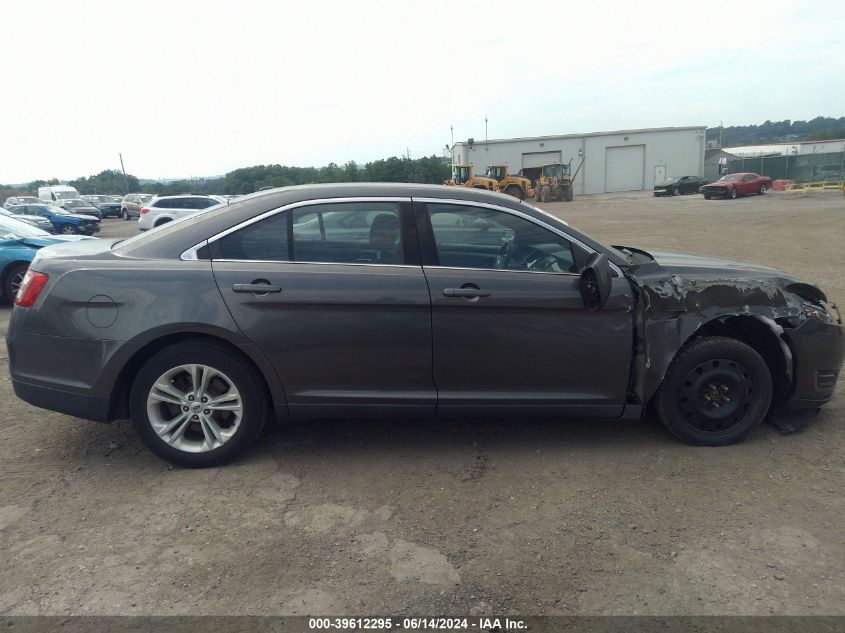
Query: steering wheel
<point x="504" y="255"/>
<point x="535" y="259"/>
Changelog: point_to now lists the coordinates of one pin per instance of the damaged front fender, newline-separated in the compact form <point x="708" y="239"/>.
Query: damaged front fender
<point x="677" y="303"/>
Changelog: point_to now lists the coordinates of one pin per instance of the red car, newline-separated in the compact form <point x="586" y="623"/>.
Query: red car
<point x="734" y="185"/>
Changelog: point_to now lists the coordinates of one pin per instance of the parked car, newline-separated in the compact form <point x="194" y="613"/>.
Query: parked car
<point x="107" y="206"/>
<point x="130" y="206"/>
<point x="32" y="220"/>
<point x="80" y="207"/>
<point x="427" y="302"/>
<point x="60" y="220"/>
<point x="734" y="185"/>
<point x="163" y="209"/>
<point x="19" y="242"/>
<point x="20" y="200"/>
<point x="679" y="186"/>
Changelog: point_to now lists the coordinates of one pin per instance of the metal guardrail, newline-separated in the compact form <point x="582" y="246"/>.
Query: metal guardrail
<point x="805" y="187"/>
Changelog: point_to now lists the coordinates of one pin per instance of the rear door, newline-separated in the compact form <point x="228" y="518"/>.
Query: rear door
<point x="510" y="330"/>
<point x="333" y="293"/>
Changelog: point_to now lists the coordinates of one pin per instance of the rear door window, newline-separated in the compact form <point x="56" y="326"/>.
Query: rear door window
<point x="341" y="233"/>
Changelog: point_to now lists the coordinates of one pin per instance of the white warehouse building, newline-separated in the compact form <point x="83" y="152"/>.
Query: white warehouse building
<point x="626" y="160"/>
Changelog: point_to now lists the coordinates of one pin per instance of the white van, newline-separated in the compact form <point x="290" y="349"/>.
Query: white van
<point x="57" y="192"/>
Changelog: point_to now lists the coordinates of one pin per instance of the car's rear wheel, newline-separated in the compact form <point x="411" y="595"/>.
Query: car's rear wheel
<point x="706" y="197"/>
<point x="732" y="194"/>
<point x="14" y="278"/>
<point x="715" y="392"/>
<point x="69" y="229"/>
<point x="196" y="404"/>
<point x="761" y="190"/>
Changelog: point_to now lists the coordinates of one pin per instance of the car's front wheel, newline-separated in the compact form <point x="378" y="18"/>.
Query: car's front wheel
<point x="762" y="190"/>
<point x="715" y="392"/>
<point x="125" y="214"/>
<point x="196" y="404"/>
<point x="69" y="229"/>
<point x="732" y="194"/>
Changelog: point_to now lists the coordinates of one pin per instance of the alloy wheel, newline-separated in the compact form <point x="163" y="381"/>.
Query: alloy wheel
<point x="194" y="408"/>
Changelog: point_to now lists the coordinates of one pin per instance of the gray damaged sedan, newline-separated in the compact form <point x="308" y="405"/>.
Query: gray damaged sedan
<point x="410" y="302"/>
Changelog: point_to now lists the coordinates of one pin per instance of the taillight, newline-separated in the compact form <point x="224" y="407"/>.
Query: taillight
<point x="31" y="286"/>
<point x="145" y="210"/>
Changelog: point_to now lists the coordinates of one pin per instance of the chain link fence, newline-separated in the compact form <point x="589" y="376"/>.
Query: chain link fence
<point x="828" y="167"/>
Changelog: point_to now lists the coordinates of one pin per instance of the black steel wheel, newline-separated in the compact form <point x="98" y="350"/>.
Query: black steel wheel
<point x="716" y="391"/>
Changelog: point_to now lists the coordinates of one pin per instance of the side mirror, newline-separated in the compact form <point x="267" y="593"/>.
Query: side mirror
<point x="596" y="281"/>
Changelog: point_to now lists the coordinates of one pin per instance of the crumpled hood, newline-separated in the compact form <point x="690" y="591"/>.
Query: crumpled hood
<point x="685" y="264"/>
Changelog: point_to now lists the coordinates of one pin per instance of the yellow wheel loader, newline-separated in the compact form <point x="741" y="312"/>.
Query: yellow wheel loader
<point x="462" y="176"/>
<point x="515" y="186"/>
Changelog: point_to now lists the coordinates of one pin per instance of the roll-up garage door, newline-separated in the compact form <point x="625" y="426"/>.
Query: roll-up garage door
<point x="623" y="168"/>
<point x="538" y="159"/>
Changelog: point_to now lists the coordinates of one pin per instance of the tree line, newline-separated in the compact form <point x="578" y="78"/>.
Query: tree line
<point x="430" y="169"/>
<point x="819" y="129"/>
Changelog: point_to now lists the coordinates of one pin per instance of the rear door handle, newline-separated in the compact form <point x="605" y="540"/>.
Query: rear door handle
<point x="257" y="288"/>
<point x="466" y="293"/>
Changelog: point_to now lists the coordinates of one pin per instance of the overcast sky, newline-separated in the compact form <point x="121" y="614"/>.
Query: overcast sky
<point x="200" y="88"/>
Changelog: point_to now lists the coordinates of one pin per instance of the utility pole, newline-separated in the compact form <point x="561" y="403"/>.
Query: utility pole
<point x="720" y="135"/>
<point x="452" y="129"/>
<point x="123" y="169"/>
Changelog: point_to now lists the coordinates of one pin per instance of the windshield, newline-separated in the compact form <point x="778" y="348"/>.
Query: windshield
<point x="730" y="178"/>
<point x="72" y="204"/>
<point x="552" y="171"/>
<point x="461" y="174"/>
<point x="496" y="171"/>
<point x="12" y="229"/>
<point x="65" y="195"/>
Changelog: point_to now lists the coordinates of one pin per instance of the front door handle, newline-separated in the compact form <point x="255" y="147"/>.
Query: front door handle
<point x="466" y="293"/>
<point x="257" y="288"/>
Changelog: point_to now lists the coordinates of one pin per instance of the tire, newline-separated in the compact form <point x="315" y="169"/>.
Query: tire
<point x="160" y="222"/>
<point x="12" y="280"/>
<point x="69" y="229"/>
<point x="515" y="191"/>
<point x="676" y="192"/>
<point x="538" y="193"/>
<point x="568" y="194"/>
<point x="126" y="214"/>
<point x="706" y="197"/>
<point x="546" y="193"/>
<point x="715" y="392"/>
<point x="762" y="190"/>
<point x="191" y="443"/>
<point x="732" y="194"/>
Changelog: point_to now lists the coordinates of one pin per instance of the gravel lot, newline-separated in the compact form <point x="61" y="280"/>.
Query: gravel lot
<point x="391" y="517"/>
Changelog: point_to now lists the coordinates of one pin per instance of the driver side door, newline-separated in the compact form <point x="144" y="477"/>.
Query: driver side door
<point x="509" y="327"/>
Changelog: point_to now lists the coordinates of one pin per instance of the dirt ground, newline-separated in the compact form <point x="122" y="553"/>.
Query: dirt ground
<point x="458" y="518"/>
